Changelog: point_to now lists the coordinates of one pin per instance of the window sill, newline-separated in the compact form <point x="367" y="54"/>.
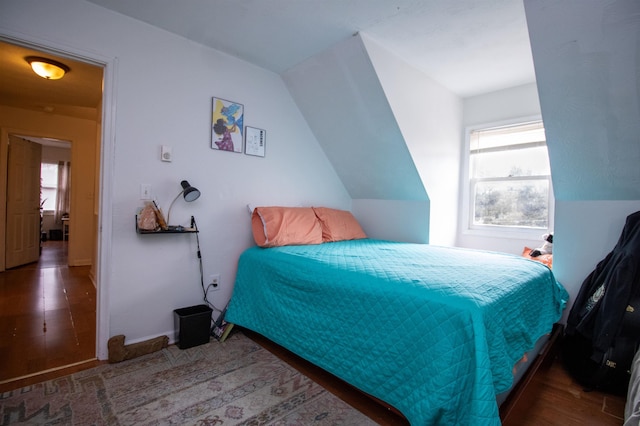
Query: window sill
<point x="498" y="232"/>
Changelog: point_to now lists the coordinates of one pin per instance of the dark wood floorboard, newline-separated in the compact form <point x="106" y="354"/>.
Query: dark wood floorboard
<point x="557" y="399"/>
<point x="553" y="399"/>
<point x="47" y="316"/>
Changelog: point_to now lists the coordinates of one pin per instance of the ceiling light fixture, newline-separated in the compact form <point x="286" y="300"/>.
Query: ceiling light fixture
<point x="47" y="68"/>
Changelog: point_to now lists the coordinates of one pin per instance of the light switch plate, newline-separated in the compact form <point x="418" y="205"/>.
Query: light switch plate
<point x="165" y="153"/>
<point x="145" y="192"/>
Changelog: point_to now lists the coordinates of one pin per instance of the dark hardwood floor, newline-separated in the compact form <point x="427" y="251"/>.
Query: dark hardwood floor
<point x="556" y="399"/>
<point x="553" y="398"/>
<point x="47" y="330"/>
<point x="47" y="317"/>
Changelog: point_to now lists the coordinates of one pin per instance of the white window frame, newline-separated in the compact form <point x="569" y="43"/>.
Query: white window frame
<point x="497" y="231"/>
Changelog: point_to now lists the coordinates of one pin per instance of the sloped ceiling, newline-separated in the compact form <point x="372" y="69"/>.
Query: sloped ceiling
<point x="339" y="94"/>
<point x="588" y="68"/>
<point x="469" y="46"/>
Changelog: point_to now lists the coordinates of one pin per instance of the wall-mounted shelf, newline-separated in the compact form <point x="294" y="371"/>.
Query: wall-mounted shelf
<point x="171" y="230"/>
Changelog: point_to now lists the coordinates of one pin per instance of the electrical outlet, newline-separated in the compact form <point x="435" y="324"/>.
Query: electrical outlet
<point x="214" y="281"/>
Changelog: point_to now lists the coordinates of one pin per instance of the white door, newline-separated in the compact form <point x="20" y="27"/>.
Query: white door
<point x="23" y="202"/>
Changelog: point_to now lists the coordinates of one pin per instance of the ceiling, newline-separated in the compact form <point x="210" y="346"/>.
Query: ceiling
<point x="469" y="46"/>
<point x="77" y="94"/>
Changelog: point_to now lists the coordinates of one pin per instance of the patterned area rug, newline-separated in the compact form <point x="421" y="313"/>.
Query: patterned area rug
<point x="232" y="383"/>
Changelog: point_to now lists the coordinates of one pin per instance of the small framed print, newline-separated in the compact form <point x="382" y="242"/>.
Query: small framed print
<point x="255" y="141"/>
<point x="226" y="125"/>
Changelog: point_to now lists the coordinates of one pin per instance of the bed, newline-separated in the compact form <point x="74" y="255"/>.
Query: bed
<point x="433" y="331"/>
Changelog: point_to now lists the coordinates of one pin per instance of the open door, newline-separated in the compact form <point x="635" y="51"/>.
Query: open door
<point x="23" y="202"/>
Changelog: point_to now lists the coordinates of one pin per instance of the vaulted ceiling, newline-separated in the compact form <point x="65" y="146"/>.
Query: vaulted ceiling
<point x="468" y="46"/>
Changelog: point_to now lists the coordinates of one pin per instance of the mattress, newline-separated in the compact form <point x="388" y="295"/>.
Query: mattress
<point x="433" y="331"/>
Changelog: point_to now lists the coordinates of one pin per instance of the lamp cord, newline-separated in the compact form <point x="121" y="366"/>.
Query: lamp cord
<point x="205" y="291"/>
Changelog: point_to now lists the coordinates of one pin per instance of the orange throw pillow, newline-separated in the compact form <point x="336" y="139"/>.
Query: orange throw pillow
<point x="282" y="226"/>
<point x="338" y="225"/>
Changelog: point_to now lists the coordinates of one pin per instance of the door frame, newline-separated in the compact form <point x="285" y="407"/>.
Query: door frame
<point x="107" y="164"/>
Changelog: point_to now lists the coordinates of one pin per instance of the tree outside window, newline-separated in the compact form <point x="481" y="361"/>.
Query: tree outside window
<point x="510" y="177"/>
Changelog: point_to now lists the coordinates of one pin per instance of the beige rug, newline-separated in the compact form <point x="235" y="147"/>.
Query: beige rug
<point x="232" y="383"/>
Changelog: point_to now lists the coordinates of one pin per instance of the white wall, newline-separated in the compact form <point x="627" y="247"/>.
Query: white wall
<point x="339" y="93"/>
<point x="151" y="275"/>
<point x="429" y="117"/>
<point x="340" y="96"/>
<point x="51" y="154"/>
<point x="586" y="58"/>
<point x="587" y="232"/>
<point x="394" y="220"/>
<point x="502" y="105"/>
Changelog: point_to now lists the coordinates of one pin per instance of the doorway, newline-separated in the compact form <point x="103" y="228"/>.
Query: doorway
<point x="41" y="110"/>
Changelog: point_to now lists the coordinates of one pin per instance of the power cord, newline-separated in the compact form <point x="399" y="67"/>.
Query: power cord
<point x="205" y="291"/>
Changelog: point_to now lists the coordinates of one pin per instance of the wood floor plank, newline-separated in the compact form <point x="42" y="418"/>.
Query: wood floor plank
<point x="48" y="315"/>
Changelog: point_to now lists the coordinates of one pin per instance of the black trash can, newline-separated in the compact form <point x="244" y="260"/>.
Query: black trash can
<point x="55" y="234"/>
<point x="192" y="325"/>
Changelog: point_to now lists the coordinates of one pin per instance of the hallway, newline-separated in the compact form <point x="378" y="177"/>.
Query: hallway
<point x="47" y="315"/>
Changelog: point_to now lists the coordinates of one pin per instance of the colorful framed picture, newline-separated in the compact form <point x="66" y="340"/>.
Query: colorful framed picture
<point x="254" y="141"/>
<point x="226" y="125"/>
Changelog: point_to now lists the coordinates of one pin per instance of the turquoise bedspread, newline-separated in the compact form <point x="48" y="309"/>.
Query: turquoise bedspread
<point x="433" y="331"/>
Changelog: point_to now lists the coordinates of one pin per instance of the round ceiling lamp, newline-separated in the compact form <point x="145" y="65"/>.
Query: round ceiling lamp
<point x="47" y="68"/>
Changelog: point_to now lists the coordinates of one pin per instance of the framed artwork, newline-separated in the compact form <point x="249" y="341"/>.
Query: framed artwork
<point x="254" y="141"/>
<point x="226" y="125"/>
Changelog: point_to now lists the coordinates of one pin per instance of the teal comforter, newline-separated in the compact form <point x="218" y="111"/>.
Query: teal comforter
<point x="433" y="331"/>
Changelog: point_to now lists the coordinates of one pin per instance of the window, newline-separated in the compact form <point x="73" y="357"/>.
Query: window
<point x="509" y="178"/>
<point x="48" y="186"/>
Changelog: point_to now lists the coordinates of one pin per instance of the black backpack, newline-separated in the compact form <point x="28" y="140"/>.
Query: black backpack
<point x="603" y="327"/>
<point x="611" y="374"/>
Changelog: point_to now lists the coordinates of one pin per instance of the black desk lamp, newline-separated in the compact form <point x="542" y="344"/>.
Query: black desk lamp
<point x="189" y="192"/>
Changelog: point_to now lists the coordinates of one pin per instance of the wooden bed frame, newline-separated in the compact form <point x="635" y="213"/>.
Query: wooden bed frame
<point x="510" y="411"/>
<point x="525" y="390"/>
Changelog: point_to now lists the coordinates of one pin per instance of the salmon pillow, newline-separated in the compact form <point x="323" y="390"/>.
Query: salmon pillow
<point x="283" y="226"/>
<point x="338" y="225"/>
<point x="547" y="259"/>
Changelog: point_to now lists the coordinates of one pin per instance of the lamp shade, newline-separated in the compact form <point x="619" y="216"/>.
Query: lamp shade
<point x="190" y="193"/>
<point x="47" y="68"/>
